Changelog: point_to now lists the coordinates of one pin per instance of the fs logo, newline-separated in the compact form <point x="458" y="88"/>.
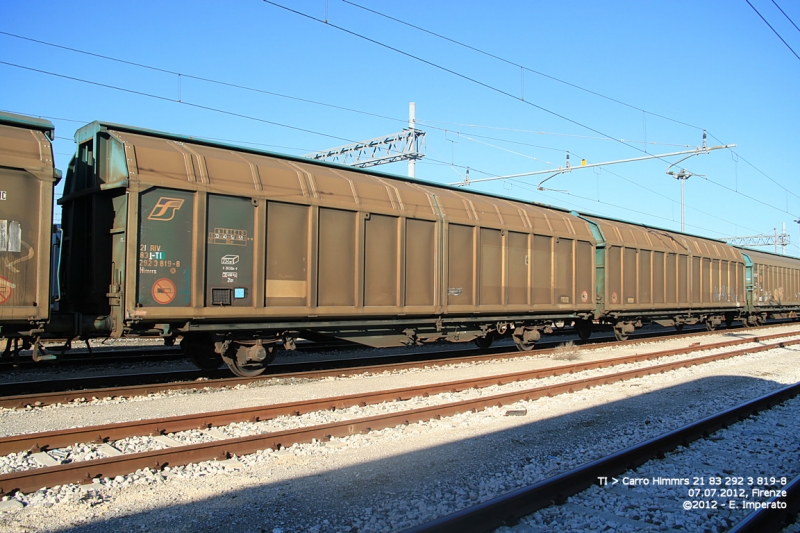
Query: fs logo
<point x="165" y="209"/>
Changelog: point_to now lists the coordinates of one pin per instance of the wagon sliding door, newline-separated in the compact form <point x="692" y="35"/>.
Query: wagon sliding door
<point x="287" y="255"/>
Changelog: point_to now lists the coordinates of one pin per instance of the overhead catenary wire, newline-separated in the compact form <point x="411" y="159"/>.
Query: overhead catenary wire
<point x="526" y="186"/>
<point x="453" y="72"/>
<point x="233" y="85"/>
<point x="200" y="78"/>
<point x="215" y="139"/>
<point x="431" y="124"/>
<point x="515" y="64"/>
<point x="785" y="15"/>
<point x="740" y="156"/>
<point x="173" y="100"/>
<point x="773" y="29"/>
<point x="499" y="58"/>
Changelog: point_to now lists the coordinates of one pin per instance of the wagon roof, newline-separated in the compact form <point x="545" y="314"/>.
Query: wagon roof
<point x="33" y="123"/>
<point x="88" y="132"/>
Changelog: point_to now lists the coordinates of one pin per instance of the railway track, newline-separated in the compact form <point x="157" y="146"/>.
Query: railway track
<point x="41" y="393"/>
<point x="612" y="479"/>
<point x="94" y="356"/>
<point x="219" y="446"/>
<point x="104" y="355"/>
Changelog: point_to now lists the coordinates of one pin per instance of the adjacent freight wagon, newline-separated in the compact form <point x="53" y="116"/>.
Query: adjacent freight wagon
<point x="774" y="283"/>
<point x="27" y="180"/>
<point x="237" y="252"/>
<point x="649" y="274"/>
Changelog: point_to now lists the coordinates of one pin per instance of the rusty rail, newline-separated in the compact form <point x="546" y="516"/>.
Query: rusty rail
<point x="509" y="508"/>
<point x="23" y="400"/>
<point x="111" y="467"/>
<point x="160" y="426"/>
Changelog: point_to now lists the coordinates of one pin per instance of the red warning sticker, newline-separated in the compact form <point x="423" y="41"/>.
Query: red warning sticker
<point x="6" y="288"/>
<point x="163" y="291"/>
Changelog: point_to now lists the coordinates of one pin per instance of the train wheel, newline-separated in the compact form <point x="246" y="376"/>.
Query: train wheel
<point x="200" y="351"/>
<point x="622" y="330"/>
<point x="248" y="361"/>
<point x="710" y="326"/>
<point x="246" y="370"/>
<point x="678" y="327"/>
<point x="523" y="346"/>
<point x="584" y="329"/>
<point x="525" y="337"/>
<point x="484" y="342"/>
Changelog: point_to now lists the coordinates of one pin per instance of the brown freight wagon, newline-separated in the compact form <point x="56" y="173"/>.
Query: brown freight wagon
<point x="665" y="277"/>
<point x="27" y="180"/>
<point x="773" y="285"/>
<point x="236" y="251"/>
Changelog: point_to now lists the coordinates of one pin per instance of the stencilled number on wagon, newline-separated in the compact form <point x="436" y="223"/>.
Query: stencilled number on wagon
<point x="165" y="209"/>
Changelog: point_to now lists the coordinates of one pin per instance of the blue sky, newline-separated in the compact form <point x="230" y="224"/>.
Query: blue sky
<point x="674" y="67"/>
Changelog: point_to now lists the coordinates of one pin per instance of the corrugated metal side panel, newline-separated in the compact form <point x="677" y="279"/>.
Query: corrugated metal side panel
<point x="659" y="281"/>
<point x="461" y="265"/>
<point x="629" y="277"/>
<point x="584" y="268"/>
<point x="337" y="258"/>
<point x="614" y="276"/>
<point x="671" y="278"/>
<point x="542" y="266"/>
<point x="645" y="277"/>
<point x="695" y="274"/>
<point x="517" y="289"/>
<point x="564" y="272"/>
<point x="420" y="263"/>
<point x="490" y="287"/>
<point x="381" y="255"/>
<point x="287" y="248"/>
<point x="683" y="279"/>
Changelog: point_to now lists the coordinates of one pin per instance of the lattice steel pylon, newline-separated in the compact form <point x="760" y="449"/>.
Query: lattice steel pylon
<point x="776" y="239"/>
<point x="407" y="145"/>
<point x="401" y="146"/>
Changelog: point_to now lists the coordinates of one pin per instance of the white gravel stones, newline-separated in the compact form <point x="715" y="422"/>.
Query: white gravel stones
<point x="385" y="480"/>
<point x="709" y="486"/>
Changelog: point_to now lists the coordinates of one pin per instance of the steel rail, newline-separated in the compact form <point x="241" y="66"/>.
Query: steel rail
<point x="159" y="426"/>
<point x="509" y="508"/>
<point x="85" y="471"/>
<point x="97" y="355"/>
<point x="49" y="398"/>
<point x="768" y="520"/>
